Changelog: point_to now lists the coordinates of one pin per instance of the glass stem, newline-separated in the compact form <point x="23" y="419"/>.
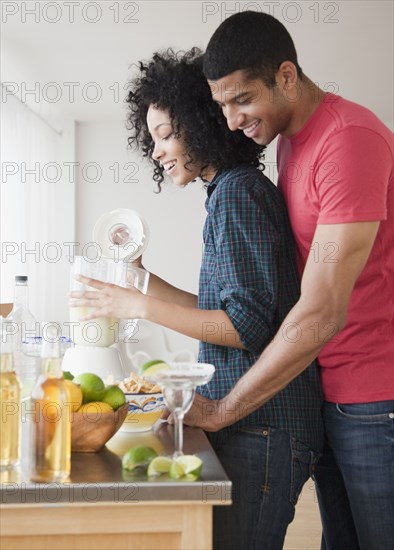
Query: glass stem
<point x="178" y="434"/>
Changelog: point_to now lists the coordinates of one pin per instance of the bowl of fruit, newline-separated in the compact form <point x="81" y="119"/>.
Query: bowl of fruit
<point x="98" y="411"/>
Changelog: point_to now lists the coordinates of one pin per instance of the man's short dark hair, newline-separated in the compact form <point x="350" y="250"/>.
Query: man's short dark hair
<point x="251" y="41"/>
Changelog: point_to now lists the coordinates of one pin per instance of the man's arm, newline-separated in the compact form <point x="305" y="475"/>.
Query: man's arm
<point x="326" y="287"/>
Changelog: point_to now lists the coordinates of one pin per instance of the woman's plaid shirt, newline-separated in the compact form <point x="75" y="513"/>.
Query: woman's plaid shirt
<point x="249" y="270"/>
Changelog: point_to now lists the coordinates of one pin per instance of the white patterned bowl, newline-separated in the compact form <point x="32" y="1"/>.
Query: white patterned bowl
<point x="144" y="410"/>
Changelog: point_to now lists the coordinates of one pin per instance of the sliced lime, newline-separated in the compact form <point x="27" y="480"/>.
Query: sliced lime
<point x="191" y="465"/>
<point x="176" y="470"/>
<point x="154" y="369"/>
<point x="159" y="465"/>
<point x="149" y="364"/>
<point x="139" y="456"/>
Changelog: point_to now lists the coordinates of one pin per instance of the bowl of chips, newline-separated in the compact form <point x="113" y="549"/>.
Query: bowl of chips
<point x="145" y="404"/>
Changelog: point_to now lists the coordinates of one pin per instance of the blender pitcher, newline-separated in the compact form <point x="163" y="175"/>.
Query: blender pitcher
<point x="103" y="331"/>
<point x="122" y="235"/>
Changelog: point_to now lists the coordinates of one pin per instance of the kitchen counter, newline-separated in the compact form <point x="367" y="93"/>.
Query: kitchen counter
<point x="103" y="506"/>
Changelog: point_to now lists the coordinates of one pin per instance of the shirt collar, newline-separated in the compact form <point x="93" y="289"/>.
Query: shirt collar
<point x="213" y="184"/>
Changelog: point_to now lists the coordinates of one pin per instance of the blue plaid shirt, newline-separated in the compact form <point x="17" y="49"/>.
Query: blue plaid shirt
<point x="249" y="270"/>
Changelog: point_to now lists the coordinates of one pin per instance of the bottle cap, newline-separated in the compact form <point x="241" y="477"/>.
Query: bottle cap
<point x="21" y="278"/>
<point x="121" y="234"/>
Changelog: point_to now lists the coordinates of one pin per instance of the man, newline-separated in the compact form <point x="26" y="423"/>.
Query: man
<point x="335" y="166"/>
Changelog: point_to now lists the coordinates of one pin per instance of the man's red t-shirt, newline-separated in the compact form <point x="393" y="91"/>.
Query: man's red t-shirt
<point x="339" y="169"/>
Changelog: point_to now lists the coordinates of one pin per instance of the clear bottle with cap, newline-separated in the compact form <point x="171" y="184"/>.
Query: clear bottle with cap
<point x="10" y="401"/>
<point x="50" y="438"/>
<point x="25" y="326"/>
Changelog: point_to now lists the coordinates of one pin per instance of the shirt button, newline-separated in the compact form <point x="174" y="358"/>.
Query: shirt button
<point x="265" y="432"/>
<point x="391" y="415"/>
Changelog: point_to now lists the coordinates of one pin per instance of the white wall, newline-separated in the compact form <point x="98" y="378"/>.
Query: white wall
<point x="345" y="46"/>
<point x="175" y="216"/>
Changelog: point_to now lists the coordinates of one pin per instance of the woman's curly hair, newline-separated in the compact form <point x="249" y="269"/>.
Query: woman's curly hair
<point x="174" y="82"/>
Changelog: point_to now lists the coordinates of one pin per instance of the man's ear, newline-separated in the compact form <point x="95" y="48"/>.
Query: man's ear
<point x="287" y="80"/>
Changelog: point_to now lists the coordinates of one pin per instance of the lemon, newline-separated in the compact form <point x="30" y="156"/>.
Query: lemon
<point x="96" y="407"/>
<point x="154" y="369"/>
<point x="76" y="396"/>
<point x="92" y="387"/>
<point x="114" y="396"/>
<point x="138" y="456"/>
<point x="159" y="465"/>
<point x="187" y="467"/>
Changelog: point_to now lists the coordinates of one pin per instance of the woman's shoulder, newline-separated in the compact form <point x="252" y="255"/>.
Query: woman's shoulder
<point x="247" y="178"/>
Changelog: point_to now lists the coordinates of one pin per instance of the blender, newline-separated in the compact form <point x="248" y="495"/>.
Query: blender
<point x="122" y="236"/>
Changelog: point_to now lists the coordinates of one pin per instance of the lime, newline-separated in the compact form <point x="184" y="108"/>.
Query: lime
<point x="157" y="367"/>
<point x="186" y="466"/>
<point x="92" y="387"/>
<point x="75" y="393"/>
<point x="150" y="364"/>
<point x="176" y="470"/>
<point x="159" y="465"/>
<point x="139" y="456"/>
<point x="114" y="396"/>
<point x="95" y="407"/>
<point x="67" y="375"/>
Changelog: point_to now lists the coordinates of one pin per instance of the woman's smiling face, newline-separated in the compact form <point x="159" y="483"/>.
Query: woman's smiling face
<point x="169" y="150"/>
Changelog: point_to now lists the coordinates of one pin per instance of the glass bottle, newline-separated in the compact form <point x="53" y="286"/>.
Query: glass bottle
<point x="25" y="326"/>
<point x="10" y="402"/>
<point x="51" y="421"/>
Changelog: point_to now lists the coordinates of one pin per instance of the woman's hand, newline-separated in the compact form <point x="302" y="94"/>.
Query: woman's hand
<point x="138" y="263"/>
<point x="108" y="300"/>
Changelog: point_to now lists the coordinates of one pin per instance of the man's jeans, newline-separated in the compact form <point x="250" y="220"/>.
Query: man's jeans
<point x="268" y="469"/>
<point x="355" y="477"/>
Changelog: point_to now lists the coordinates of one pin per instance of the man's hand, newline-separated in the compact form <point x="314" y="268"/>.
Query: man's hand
<point x="204" y="413"/>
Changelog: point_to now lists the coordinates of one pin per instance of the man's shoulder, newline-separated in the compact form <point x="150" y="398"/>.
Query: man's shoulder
<point x="348" y="115"/>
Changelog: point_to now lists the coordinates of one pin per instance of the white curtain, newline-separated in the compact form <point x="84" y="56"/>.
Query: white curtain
<point x="37" y="207"/>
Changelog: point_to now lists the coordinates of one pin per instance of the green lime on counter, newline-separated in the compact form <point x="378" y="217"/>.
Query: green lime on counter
<point x="159" y="465"/>
<point x="139" y="456"/>
<point x="187" y="467"/>
<point x="67" y="375"/>
<point x="114" y="396"/>
<point x="92" y="387"/>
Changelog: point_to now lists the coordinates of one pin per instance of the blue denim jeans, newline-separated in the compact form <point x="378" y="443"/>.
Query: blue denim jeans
<point x="268" y="469"/>
<point x="355" y="477"/>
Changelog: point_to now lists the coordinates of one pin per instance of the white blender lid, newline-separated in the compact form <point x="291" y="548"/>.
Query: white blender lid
<point x="121" y="233"/>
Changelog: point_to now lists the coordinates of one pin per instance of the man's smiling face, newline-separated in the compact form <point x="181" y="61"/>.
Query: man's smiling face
<point x="249" y="105"/>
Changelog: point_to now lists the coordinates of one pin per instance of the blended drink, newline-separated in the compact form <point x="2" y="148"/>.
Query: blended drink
<point x="101" y="332"/>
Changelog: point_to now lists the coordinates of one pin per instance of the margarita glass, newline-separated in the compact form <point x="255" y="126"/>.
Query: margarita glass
<point x="178" y="384"/>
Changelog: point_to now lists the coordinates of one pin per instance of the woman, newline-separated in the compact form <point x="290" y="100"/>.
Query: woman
<point x="248" y="283"/>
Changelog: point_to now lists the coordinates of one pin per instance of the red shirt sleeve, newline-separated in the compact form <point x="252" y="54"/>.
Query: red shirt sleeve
<point x="352" y="175"/>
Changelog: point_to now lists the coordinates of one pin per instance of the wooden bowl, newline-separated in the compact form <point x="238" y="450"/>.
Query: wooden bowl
<point x="90" y="431"/>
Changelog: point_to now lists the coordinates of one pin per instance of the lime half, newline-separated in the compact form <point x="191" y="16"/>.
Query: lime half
<point x="138" y="456"/>
<point x="154" y="369"/>
<point x="187" y="467"/>
<point x="159" y="465"/>
<point x="149" y="364"/>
